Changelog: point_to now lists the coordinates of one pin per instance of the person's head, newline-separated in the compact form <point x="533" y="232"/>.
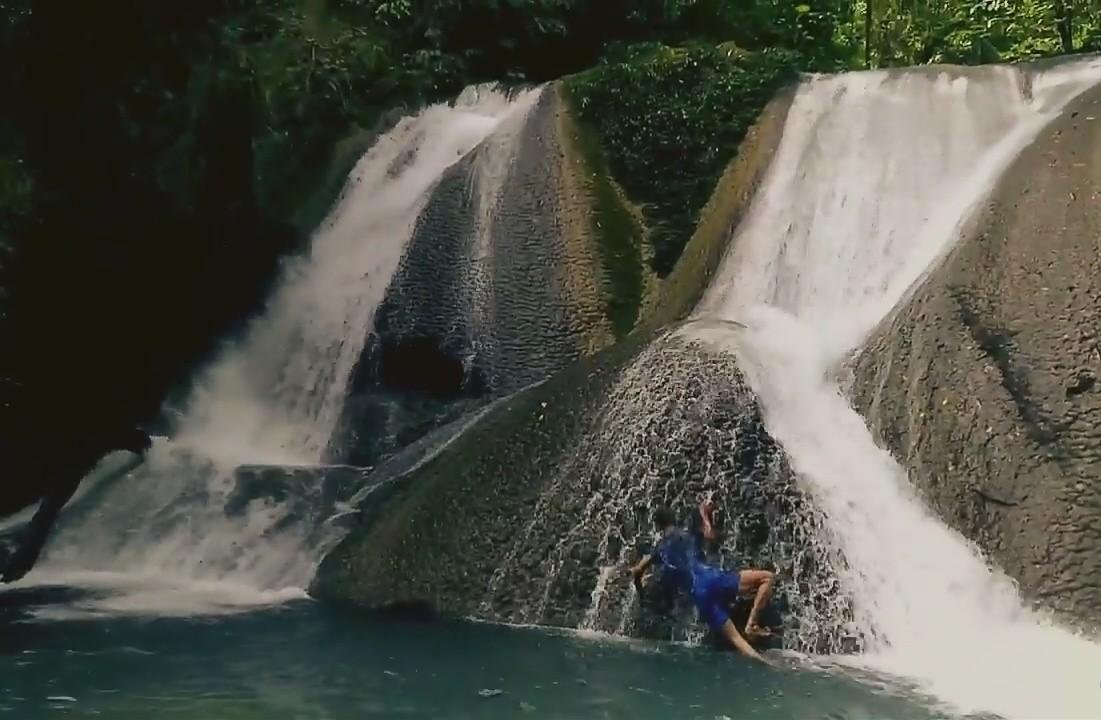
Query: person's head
<point x="664" y="518"/>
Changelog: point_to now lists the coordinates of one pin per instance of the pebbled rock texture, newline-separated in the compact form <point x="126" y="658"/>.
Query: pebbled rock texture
<point x="500" y="286"/>
<point x="485" y="274"/>
<point x="509" y="276"/>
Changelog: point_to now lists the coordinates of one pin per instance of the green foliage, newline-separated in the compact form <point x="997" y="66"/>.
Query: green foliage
<point x="15" y="188"/>
<point x="913" y="32"/>
<point x="157" y="157"/>
<point x="670" y="121"/>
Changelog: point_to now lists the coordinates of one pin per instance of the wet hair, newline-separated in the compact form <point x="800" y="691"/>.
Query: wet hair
<point x="664" y="517"/>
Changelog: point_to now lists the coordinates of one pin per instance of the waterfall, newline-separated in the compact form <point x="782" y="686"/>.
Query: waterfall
<point x="876" y="177"/>
<point x="276" y="396"/>
<point x="678" y="423"/>
<point x="192" y="515"/>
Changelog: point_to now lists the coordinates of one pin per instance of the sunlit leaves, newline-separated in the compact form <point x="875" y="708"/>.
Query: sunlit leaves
<point x="670" y="119"/>
<point x="393" y="11"/>
<point x="907" y="32"/>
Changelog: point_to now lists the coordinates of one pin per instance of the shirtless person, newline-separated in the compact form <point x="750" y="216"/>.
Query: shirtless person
<point x="712" y="589"/>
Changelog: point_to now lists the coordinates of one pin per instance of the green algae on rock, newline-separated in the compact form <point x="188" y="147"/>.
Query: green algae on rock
<point x="669" y="120"/>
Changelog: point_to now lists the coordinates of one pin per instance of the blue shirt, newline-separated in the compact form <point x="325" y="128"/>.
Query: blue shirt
<point x="680" y="557"/>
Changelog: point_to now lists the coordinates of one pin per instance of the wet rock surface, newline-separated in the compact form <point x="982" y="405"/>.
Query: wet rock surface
<point x="503" y="283"/>
<point x="985" y="384"/>
<point x="498" y="288"/>
<point x="535" y="512"/>
<point x="532" y="513"/>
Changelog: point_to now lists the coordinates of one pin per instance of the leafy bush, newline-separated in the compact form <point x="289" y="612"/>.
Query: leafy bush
<point x="894" y="32"/>
<point x="156" y="157"/>
<point x="670" y="120"/>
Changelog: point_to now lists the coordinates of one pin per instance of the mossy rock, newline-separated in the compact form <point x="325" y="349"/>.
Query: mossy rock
<point x="669" y="120"/>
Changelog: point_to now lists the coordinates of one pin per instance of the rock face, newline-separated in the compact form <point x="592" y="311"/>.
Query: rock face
<point x="987" y="383"/>
<point x="525" y="259"/>
<point x="531" y="513"/>
<point x="501" y="285"/>
<point x="492" y="273"/>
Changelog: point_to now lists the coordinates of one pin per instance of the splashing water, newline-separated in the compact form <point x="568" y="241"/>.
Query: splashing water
<point x="679" y="421"/>
<point x="274" y="397"/>
<point x="877" y="175"/>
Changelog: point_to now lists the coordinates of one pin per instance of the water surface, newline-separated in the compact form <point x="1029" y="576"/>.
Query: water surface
<point x="302" y="660"/>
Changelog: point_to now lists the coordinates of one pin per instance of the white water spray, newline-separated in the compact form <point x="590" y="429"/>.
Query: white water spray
<point x="275" y="396"/>
<point x="875" y="178"/>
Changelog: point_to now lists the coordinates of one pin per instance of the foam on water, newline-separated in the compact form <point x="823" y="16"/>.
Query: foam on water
<point x="876" y="177"/>
<point x="110" y="594"/>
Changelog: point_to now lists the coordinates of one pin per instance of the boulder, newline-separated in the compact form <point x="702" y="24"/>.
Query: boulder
<point x="986" y="384"/>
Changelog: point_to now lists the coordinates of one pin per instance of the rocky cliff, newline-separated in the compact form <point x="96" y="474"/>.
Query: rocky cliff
<point x="527" y="257"/>
<point x="503" y="283"/>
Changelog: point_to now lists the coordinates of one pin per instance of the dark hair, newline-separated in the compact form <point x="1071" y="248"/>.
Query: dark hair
<point x="664" y="517"/>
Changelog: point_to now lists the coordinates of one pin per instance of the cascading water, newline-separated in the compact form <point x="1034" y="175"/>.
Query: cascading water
<point x="876" y="177"/>
<point x="491" y="280"/>
<point x="679" y="422"/>
<point x="275" y="396"/>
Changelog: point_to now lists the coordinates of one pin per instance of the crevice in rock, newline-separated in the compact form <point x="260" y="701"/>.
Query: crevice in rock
<point x="1083" y="383"/>
<point x="421" y="364"/>
<point x="998" y="345"/>
<point x="992" y="499"/>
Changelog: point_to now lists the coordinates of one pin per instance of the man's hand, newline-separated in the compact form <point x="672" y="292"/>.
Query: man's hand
<point x="637" y="571"/>
<point x="707" y="506"/>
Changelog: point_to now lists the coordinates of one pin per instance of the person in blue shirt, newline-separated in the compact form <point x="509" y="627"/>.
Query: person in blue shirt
<point x="679" y="559"/>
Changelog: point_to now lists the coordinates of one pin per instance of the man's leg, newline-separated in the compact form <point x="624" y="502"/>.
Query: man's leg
<point x="759" y="584"/>
<point x="735" y="638"/>
<point x="712" y="612"/>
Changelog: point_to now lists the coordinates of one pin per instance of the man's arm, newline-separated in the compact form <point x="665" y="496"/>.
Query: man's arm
<point x="639" y="568"/>
<point x="706" y="528"/>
